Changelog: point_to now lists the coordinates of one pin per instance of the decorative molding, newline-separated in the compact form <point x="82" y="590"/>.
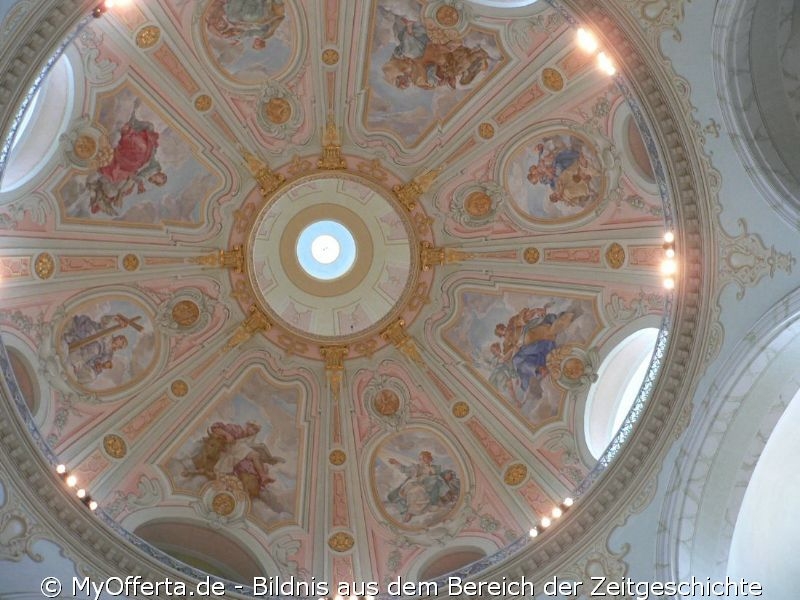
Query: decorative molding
<point x="18" y="530"/>
<point x="408" y="194"/>
<point x="745" y="260"/>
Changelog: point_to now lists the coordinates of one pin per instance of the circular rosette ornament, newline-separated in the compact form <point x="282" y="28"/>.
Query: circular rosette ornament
<point x="279" y="112"/>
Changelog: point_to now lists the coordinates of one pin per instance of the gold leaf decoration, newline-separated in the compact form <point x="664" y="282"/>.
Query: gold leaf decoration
<point x="44" y="266"/>
<point x="515" y="474"/>
<point x="115" y="446"/>
<point x="341" y="542"/>
<point x="615" y="256"/>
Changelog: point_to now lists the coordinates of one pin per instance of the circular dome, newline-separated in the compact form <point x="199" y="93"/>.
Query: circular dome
<point x="425" y="387"/>
<point x="363" y="242"/>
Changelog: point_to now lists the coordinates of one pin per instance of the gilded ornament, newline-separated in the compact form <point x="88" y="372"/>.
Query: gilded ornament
<point x="257" y="321"/>
<point x="615" y="256"/>
<point x="223" y="504"/>
<point x="515" y="474"/>
<point x="396" y="335"/>
<point x="478" y="204"/>
<point x="179" y="388"/>
<point x="278" y="110"/>
<point x="334" y="366"/>
<point x="268" y="181"/>
<point x="447" y="16"/>
<point x="531" y="255"/>
<point x="330" y="56"/>
<point x="85" y="147"/>
<point x="552" y="80"/>
<point x="573" y="368"/>
<point x="44" y="266"/>
<point x="114" y="446"/>
<point x="337" y="457"/>
<point x="185" y="313"/>
<point x="409" y="193"/>
<point x="486" y="130"/>
<point x="130" y="262"/>
<point x="331" y="147"/>
<point x="148" y="36"/>
<point x="341" y="542"/>
<point x="229" y="259"/>
<point x="460" y="409"/>
<point x="386" y="403"/>
<point x="203" y="102"/>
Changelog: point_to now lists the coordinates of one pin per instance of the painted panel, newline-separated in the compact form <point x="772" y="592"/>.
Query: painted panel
<point x="515" y="341"/>
<point x="139" y="171"/>
<point x="107" y="344"/>
<point x="245" y="446"/>
<point x="416" y="480"/>
<point x="249" y="41"/>
<point x="420" y="69"/>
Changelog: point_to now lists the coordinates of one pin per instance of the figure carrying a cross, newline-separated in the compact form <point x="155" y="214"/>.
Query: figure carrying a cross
<point x="91" y="344"/>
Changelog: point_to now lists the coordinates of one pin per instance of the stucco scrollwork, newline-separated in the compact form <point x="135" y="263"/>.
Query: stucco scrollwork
<point x="18" y="532"/>
<point x="745" y="260"/>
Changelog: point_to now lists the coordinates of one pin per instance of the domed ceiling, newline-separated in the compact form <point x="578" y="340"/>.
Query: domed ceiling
<point x="420" y="410"/>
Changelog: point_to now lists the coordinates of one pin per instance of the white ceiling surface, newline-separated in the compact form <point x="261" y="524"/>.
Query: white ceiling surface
<point x="692" y="59"/>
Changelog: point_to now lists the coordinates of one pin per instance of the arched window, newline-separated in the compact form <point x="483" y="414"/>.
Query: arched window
<point x="46" y="117"/>
<point x="764" y="544"/>
<point x="202" y="548"/>
<point x="618" y="381"/>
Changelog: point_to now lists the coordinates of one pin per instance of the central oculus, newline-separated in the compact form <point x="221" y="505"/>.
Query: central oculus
<point x="333" y="257"/>
<point x="326" y="250"/>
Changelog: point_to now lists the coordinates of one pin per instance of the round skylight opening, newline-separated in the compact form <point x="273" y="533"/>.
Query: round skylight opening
<point x="326" y="250"/>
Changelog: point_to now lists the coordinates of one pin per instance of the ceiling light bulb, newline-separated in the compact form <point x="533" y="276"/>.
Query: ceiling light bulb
<point x="72" y="481"/>
<point x="670" y="252"/>
<point x="606" y="64"/>
<point x="109" y="3"/>
<point x="557" y="512"/>
<point x="587" y="41"/>
<point x="92" y="505"/>
<point x="61" y="469"/>
<point x="533" y="532"/>
<point x="568" y="501"/>
<point x="81" y="493"/>
<point x="669" y="237"/>
<point x="669" y="283"/>
<point x="545" y="522"/>
<point x="669" y="266"/>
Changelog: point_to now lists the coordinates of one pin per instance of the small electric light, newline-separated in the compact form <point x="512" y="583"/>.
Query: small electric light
<point x="61" y="469"/>
<point x="606" y="64"/>
<point x="670" y="252"/>
<point x="72" y="481"/>
<point x="109" y="4"/>
<point x="545" y="522"/>
<point x="92" y="505"/>
<point x="669" y="283"/>
<point x="533" y="532"/>
<point x="669" y="237"/>
<point x="81" y="493"/>
<point x="568" y="501"/>
<point x="669" y="266"/>
<point x="587" y="41"/>
<point x="557" y="512"/>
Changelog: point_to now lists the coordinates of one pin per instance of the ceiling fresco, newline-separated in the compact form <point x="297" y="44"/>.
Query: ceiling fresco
<point x="510" y="231"/>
